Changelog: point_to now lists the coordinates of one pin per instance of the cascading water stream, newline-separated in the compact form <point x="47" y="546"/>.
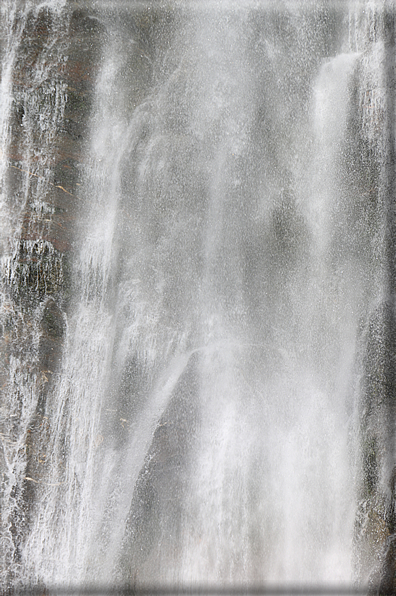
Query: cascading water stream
<point x="193" y="218"/>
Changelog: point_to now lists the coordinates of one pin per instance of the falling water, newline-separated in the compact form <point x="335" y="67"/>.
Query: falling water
<point x="194" y="307"/>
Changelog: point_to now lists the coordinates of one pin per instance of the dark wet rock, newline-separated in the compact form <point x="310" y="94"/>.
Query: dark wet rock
<point x="53" y="322"/>
<point x="54" y="74"/>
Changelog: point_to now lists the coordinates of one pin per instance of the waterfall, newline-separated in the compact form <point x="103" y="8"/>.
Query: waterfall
<point x="196" y="292"/>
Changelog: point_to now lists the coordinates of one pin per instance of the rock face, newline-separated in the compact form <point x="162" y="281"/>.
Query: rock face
<point x="375" y="521"/>
<point x="52" y="57"/>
